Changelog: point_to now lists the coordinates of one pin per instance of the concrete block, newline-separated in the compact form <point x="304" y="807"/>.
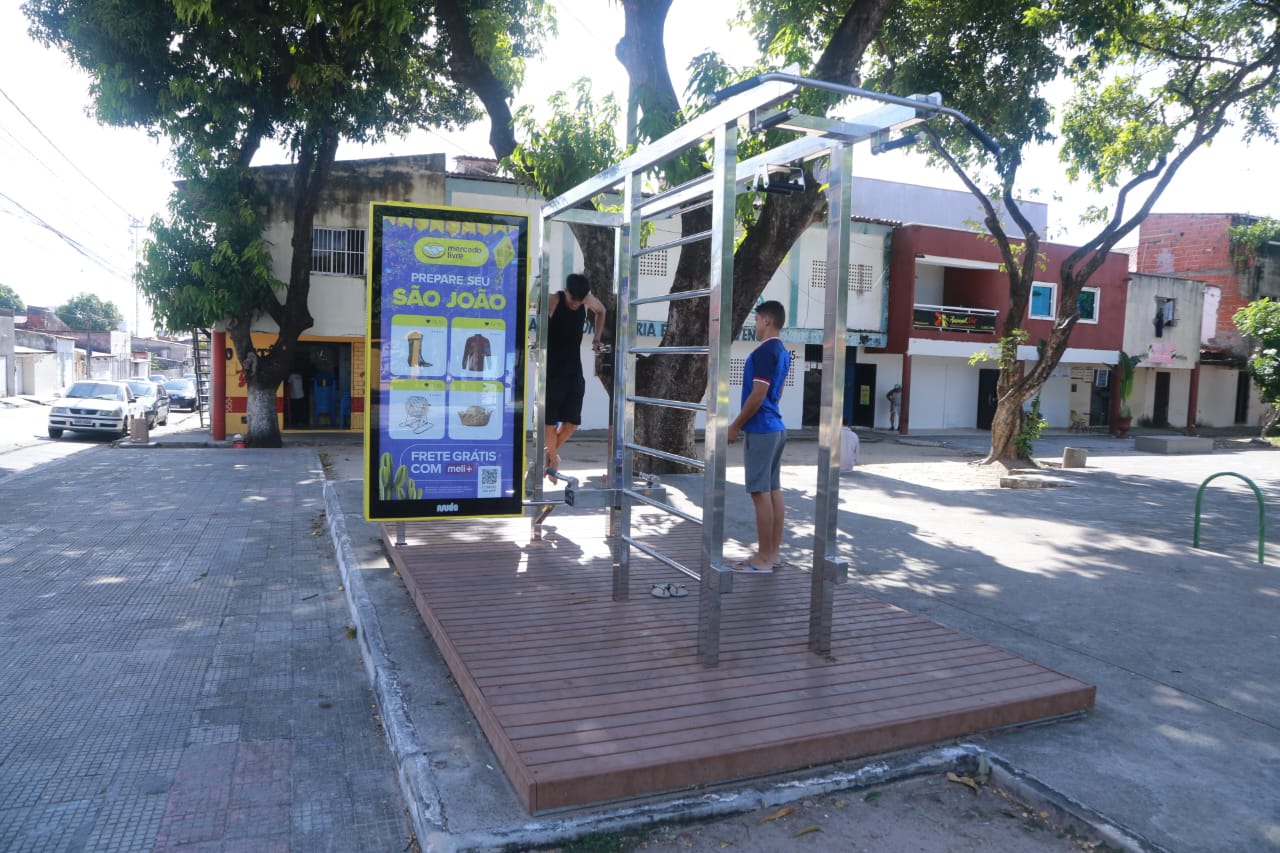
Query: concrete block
<point x="1173" y="444"/>
<point x="1074" y="457"/>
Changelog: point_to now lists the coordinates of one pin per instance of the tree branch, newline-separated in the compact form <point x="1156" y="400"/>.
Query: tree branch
<point x="472" y="71"/>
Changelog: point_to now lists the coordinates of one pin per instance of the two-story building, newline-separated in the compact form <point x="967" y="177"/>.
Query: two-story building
<point x="950" y="297"/>
<point x="1199" y="246"/>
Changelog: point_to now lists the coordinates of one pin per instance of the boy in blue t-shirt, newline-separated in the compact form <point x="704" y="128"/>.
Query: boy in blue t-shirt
<point x="760" y="419"/>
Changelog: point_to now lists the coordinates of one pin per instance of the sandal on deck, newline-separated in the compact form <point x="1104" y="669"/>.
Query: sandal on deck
<point x="677" y="590"/>
<point x="745" y="568"/>
<point x="660" y="590"/>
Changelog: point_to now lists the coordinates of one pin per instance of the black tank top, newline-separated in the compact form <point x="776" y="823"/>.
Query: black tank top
<point x="564" y="336"/>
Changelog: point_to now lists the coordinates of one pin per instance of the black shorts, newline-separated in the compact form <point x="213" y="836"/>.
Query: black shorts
<point x="564" y="399"/>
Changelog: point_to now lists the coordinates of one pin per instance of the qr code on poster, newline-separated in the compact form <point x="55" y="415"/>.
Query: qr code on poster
<point x="490" y="481"/>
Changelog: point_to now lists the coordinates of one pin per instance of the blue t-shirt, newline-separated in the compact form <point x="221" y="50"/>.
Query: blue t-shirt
<point x="770" y="362"/>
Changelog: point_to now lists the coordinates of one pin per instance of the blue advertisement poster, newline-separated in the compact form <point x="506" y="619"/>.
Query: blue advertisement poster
<point x="444" y="435"/>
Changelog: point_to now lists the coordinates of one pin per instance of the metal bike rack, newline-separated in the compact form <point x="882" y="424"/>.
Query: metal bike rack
<point x="1262" y="513"/>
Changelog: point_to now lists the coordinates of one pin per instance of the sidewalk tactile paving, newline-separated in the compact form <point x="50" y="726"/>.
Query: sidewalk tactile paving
<point x="170" y="655"/>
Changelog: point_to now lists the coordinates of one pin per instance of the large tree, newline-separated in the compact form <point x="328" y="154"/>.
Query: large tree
<point x="655" y="110"/>
<point x="219" y="79"/>
<point x="1150" y="84"/>
<point x="88" y="311"/>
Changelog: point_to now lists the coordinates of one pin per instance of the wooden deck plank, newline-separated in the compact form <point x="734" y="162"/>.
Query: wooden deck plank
<point x="586" y="699"/>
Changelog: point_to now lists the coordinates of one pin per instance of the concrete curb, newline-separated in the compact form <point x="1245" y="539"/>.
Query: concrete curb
<point x="421" y="794"/>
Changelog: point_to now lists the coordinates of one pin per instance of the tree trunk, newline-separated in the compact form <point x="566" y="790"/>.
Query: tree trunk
<point x="597" y="252"/>
<point x="1005" y="426"/>
<point x="1270" y="418"/>
<point x="781" y="221"/>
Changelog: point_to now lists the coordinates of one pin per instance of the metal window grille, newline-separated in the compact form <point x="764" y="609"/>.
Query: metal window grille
<point x="654" y="264"/>
<point x="338" y="251"/>
<point x="860" y="277"/>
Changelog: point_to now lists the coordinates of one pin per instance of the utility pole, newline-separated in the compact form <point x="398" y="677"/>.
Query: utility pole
<point x="134" y="224"/>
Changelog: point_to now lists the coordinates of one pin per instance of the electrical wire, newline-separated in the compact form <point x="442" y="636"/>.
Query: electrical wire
<point x="71" y="162"/>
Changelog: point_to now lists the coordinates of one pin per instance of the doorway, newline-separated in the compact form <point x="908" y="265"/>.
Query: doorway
<point x="1242" y="397"/>
<point x="1160" y="407"/>
<point x="859" y="389"/>
<point x="988" y="387"/>
<point x="317" y="392"/>
<point x="1100" y="398"/>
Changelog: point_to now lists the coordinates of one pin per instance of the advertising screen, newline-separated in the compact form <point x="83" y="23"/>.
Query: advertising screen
<point x="444" y="437"/>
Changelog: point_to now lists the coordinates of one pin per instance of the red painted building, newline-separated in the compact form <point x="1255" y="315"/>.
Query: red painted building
<point x="949" y="301"/>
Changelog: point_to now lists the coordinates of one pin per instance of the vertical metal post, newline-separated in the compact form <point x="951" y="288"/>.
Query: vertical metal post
<point x="714" y="579"/>
<point x="626" y="265"/>
<point x="828" y="569"/>
<point x="538" y="360"/>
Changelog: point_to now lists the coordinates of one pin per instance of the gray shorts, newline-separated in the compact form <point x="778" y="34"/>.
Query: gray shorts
<point x="762" y="459"/>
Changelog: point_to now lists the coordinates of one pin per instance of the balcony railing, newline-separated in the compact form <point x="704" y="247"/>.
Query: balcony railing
<point x="948" y="318"/>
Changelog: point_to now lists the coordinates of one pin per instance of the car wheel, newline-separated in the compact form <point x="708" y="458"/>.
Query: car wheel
<point x="164" y="422"/>
<point x="54" y="432"/>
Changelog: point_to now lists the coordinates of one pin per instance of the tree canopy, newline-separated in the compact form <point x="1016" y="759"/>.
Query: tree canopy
<point x="1260" y="322"/>
<point x="87" y="311"/>
<point x="221" y="79"/>
<point x="10" y="299"/>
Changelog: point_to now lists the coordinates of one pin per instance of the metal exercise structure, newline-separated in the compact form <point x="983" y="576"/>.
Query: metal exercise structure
<point x="749" y="105"/>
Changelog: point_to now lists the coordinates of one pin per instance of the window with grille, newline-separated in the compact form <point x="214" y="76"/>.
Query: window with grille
<point x="654" y="263"/>
<point x="859" y="277"/>
<point x="338" y="251"/>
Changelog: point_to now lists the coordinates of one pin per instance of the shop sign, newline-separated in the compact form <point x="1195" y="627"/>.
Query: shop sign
<point x="953" y="319"/>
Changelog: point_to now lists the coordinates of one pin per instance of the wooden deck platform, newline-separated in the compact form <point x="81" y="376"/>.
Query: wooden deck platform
<point x="586" y="700"/>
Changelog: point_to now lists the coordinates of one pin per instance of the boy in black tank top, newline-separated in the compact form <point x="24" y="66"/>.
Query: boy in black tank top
<point x="566" y="316"/>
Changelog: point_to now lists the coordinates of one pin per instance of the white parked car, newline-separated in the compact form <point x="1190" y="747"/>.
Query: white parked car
<point x="95" y="405"/>
<point x="154" y="399"/>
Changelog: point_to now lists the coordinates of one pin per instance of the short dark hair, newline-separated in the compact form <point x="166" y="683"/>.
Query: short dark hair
<point x="774" y="311"/>
<point x="577" y="285"/>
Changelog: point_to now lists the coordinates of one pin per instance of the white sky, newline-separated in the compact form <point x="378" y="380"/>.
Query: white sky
<point x="65" y="173"/>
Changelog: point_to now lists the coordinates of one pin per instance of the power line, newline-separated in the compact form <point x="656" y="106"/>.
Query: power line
<point x="71" y="162"/>
<point x="68" y="239"/>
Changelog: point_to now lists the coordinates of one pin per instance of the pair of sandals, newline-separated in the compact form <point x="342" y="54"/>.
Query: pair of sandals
<point x="668" y="590"/>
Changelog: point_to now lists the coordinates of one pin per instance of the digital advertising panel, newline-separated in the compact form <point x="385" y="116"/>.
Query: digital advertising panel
<point x="444" y="435"/>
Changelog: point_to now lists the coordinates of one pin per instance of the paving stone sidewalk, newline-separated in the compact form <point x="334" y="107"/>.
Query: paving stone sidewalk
<point x="179" y="672"/>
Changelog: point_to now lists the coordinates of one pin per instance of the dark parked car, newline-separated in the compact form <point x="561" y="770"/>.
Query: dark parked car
<point x="182" y="394"/>
<point x="154" y="399"/>
<point x="94" y="406"/>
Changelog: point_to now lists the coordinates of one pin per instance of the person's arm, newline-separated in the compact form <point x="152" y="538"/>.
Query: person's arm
<point x="553" y="302"/>
<point x="596" y="307"/>
<point x="759" y="390"/>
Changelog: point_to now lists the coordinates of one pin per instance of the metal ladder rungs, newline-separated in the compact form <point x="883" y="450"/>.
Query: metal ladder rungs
<point x="679" y="567"/>
<point x="670" y="404"/>
<point x="670" y="457"/>
<point x="656" y="504"/>
<point x="679" y="241"/>
<point x="657" y="203"/>
<point x="668" y="350"/>
<point x="673" y="297"/>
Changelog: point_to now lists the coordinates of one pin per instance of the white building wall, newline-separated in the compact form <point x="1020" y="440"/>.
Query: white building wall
<point x="929" y="284"/>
